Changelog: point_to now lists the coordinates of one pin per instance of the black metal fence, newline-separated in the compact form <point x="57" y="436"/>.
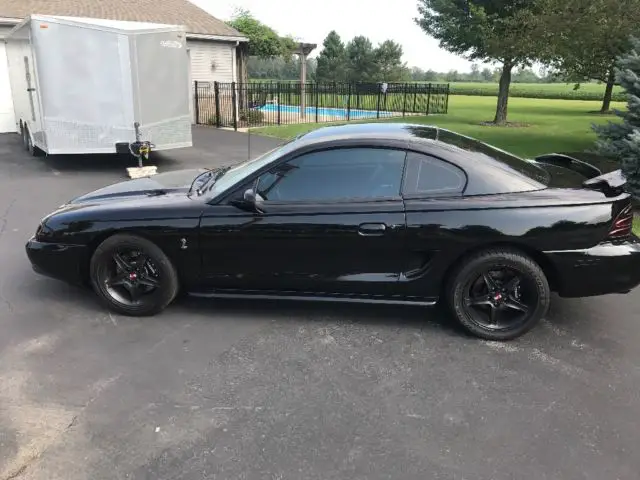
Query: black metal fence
<point x="242" y="105"/>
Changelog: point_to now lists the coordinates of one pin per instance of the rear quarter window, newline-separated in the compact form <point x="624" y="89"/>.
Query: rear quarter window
<point x="498" y="157"/>
<point x="429" y="176"/>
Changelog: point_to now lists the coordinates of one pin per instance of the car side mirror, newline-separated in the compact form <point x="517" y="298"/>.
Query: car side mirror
<point x="249" y="196"/>
<point x="249" y="201"/>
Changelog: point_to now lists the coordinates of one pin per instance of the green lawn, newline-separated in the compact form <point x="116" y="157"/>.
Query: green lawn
<point x="636" y="226"/>
<point x="555" y="125"/>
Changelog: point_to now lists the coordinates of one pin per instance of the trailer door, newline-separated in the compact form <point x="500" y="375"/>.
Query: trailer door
<point x="34" y="119"/>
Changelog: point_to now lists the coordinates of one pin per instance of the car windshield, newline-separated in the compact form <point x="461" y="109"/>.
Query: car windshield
<point x="243" y="170"/>
<point x="507" y="160"/>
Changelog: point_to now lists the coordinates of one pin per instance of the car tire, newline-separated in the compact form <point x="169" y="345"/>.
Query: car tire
<point x="498" y="294"/>
<point x="115" y="276"/>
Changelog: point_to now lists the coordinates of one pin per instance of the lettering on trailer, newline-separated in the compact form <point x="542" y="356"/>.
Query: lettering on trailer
<point x="171" y="44"/>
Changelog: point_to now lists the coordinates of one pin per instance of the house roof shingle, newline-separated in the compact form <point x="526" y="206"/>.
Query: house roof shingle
<point x="174" y="12"/>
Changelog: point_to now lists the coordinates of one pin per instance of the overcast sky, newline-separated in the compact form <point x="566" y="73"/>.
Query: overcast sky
<point x="311" y="21"/>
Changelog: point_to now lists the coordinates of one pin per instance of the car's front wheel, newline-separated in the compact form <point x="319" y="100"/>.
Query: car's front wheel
<point x="498" y="294"/>
<point x="133" y="276"/>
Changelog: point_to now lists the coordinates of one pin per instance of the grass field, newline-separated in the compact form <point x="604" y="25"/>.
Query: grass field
<point x="636" y="226"/>
<point x="554" y="125"/>
<point x="588" y="91"/>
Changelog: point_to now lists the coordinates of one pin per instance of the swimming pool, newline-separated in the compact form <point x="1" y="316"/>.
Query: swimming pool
<point x="326" y="111"/>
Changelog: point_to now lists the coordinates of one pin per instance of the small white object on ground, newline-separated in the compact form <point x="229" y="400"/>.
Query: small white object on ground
<point x="139" y="172"/>
<point x="157" y="429"/>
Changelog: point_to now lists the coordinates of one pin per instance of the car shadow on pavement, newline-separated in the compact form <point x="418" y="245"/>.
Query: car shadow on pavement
<point x="414" y="316"/>
<point x="82" y="299"/>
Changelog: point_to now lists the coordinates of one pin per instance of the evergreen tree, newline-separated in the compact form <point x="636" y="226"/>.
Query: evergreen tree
<point x="622" y="140"/>
<point x="388" y="59"/>
<point x="361" y="60"/>
<point x="331" y="61"/>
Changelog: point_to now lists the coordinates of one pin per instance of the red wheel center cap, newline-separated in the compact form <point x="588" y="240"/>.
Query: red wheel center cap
<point x="497" y="297"/>
<point x="133" y="276"/>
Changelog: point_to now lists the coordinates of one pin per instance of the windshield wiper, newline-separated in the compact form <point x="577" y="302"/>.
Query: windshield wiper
<point x="216" y="175"/>
<point x="199" y="177"/>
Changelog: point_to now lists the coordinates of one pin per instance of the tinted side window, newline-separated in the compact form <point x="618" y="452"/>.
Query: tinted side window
<point x="430" y="176"/>
<point x="337" y="174"/>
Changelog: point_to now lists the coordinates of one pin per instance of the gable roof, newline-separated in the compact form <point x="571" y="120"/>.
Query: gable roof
<point x="173" y="12"/>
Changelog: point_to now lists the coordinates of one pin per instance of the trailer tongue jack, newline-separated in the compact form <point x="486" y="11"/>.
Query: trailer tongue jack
<point x="141" y="150"/>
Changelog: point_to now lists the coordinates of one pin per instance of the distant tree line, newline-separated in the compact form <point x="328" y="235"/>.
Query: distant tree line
<point x="360" y="61"/>
<point x="280" y="68"/>
<point x="489" y="75"/>
<point x="284" y="68"/>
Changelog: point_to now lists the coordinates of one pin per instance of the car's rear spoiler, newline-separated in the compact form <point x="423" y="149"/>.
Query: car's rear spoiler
<point x="565" y="161"/>
<point x="611" y="184"/>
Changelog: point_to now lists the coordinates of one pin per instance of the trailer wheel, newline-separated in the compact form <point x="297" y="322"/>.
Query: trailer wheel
<point x="25" y="137"/>
<point x="30" y="147"/>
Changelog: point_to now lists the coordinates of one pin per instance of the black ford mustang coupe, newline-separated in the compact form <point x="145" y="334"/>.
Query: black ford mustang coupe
<point x="391" y="213"/>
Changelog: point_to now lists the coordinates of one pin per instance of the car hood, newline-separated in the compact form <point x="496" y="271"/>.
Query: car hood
<point x="176" y="182"/>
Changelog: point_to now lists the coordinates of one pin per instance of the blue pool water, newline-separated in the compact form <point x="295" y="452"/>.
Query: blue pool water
<point x="326" y="111"/>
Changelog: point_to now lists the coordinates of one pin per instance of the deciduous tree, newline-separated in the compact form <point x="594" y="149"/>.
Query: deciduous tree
<point x="485" y="30"/>
<point x="264" y="42"/>
<point x="585" y="37"/>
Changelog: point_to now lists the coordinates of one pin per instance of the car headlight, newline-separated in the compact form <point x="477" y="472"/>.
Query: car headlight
<point x="43" y="232"/>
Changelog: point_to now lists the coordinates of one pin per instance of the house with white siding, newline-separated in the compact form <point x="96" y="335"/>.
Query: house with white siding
<point x="217" y="52"/>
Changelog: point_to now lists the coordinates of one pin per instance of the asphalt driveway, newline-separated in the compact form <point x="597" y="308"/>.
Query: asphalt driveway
<point x="259" y="390"/>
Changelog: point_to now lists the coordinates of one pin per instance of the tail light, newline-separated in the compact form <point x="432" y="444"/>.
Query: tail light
<point x="622" y="225"/>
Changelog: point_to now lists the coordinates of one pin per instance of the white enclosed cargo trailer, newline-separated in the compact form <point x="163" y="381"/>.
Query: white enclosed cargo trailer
<point x="85" y="85"/>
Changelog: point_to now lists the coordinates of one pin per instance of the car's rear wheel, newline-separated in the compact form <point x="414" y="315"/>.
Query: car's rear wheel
<point x="133" y="276"/>
<point x="498" y="294"/>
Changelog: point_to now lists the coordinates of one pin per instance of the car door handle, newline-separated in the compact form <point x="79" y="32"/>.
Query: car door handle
<point x="372" y="229"/>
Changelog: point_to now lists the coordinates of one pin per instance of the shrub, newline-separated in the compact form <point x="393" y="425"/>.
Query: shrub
<point x="252" y="117"/>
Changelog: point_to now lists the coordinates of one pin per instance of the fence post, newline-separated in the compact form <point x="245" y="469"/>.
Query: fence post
<point x="446" y="104"/>
<point x="404" y="100"/>
<point x="278" y="100"/>
<point x="349" y="103"/>
<point x="216" y="94"/>
<point x="415" y="97"/>
<point x="317" y="99"/>
<point x="235" y="107"/>
<point x="197" y="103"/>
<point x="379" y="93"/>
<point x="384" y="107"/>
<point x="428" y="98"/>
<point x="303" y="100"/>
<point x="357" y="97"/>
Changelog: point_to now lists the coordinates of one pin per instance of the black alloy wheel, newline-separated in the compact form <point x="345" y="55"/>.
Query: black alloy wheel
<point x="499" y="294"/>
<point x="132" y="276"/>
